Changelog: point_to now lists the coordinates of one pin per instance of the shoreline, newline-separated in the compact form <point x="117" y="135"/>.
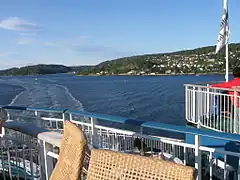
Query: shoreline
<point x="125" y="74"/>
<point x="176" y="74"/>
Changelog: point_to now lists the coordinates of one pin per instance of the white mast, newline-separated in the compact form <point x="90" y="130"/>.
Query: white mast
<point x="223" y="35"/>
<point x="227" y="68"/>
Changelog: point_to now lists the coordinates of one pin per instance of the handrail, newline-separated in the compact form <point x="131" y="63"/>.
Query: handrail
<point x="204" y="83"/>
<point x="205" y="86"/>
<point x="117" y="119"/>
<point x="193" y="131"/>
<point x="26" y="128"/>
<point x="23" y="108"/>
<point x="141" y="123"/>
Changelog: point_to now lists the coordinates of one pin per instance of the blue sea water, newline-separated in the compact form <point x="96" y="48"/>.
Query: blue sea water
<point x="155" y="98"/>
<point x="8" y="92"/>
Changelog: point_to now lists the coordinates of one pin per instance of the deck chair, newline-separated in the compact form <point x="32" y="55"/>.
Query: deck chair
<point x="109" y="165"/>
<point x="72" y="151"/>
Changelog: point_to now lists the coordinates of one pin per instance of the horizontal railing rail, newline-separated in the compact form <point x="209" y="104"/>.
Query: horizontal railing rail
<point x="141" y="123"/>
<point x="208" y="86"/>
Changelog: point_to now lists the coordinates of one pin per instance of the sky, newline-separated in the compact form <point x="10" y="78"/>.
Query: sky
<point x="87" y="32"/>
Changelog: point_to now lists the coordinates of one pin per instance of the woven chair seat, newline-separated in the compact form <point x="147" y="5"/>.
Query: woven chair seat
<point x="109" y="165"/>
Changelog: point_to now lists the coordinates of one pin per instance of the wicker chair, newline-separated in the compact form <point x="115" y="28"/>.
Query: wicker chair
<point x="109" y="165"/>
<point x="70" y="162"/>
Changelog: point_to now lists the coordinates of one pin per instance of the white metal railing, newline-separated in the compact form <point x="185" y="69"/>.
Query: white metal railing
<point x="31" y="152"/>
<point x="19" y="157"/>
<point x="213" y="108"/>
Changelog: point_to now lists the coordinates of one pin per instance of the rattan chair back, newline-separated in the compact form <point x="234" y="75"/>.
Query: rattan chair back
<point x="70" y="162"/>
<point x="109" y="165"/>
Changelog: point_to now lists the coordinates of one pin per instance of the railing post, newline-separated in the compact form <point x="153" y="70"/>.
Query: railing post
<point x="2" y="131"/>
<point x="93" y="132"/>
<point x="236" y="116"/>
<point x="41" y="160"/>
<point x="63" y="117"/>
<point x="3" y="118"/>
<point x="38" y="118"/>
<point x="46" y="161"/>
<point x="8" y="116"/>
<point x="142" y="142"/>
<point x="199" y="108"/>
<point x="194" y="105"/>
<point x="238" y="171"/>
<point x="186" y="103"/>
<point x="198" y="156"/>
<point x="208" y="102"/>
<point x="211" y="165"/>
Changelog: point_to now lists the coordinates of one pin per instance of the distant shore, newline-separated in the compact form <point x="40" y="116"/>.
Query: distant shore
<point x="174" y="74"/>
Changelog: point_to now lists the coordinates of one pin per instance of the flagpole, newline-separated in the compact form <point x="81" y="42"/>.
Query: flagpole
<point x="227" y="38"/>
<point x="226" y="76"/>
<point x="223" y="36"/>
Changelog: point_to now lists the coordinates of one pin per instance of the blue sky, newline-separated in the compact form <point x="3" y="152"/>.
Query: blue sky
<point x="81" y="32"/>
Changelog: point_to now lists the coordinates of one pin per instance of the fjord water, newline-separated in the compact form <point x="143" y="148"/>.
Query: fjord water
<point x="156" y="98"/>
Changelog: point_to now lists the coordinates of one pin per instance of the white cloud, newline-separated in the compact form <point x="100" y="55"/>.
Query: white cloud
<point x="7" y="53"/>
<point x="28" y="34"/>
<point x="82" y="45"/>
<point x="51" y="44"/>
<point x="82" y="37"/>
<point x="18" y="24"/>
<point x="15" y="63"/>
<point x="25" y="40"/>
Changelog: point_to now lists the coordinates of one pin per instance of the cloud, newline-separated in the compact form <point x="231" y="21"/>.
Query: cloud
<point x="28" y="34"/>
<point x="80" y="46"/>
<point x="15" y="63"/>
<point x="90" y="48"/>
<point x="107" y="51"/>
<point x="18" y="24"/>
<point x="82" y="37"/>
<point x="7" y="53"/>
<point x="51" y="44"/>
<point x="25" y="40"/>
<point x="64" y="44"/>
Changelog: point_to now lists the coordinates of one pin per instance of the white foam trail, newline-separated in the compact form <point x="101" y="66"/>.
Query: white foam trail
<point x="70" y="94"/>
<point x="43" y="95"/>
<point x="15" y="98"/>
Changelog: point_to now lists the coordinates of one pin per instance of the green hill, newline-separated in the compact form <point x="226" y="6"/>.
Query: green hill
<point x="41" y="69"/>
<point x="200" y="60"/>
